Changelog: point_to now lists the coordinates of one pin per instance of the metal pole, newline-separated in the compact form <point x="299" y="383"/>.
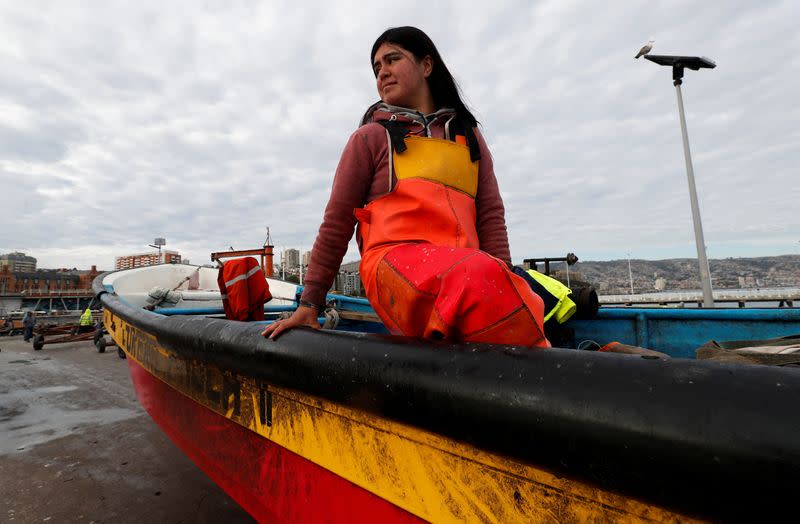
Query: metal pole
<point x="702" y="260"/>
<point x="630" y="273"/>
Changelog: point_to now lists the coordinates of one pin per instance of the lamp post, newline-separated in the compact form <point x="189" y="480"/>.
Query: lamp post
<point x="158" y="243"/>
<point x="630" y="273"/>
<point x="678" y="64"/>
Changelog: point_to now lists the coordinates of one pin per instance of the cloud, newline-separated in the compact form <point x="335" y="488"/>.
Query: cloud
<point x="208" y="123"/>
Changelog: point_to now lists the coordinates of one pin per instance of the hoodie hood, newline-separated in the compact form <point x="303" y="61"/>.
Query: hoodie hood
<point x="380" y="111"/>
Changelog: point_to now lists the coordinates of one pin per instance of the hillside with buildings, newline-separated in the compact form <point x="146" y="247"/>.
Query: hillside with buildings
<point x="612" y="277"/>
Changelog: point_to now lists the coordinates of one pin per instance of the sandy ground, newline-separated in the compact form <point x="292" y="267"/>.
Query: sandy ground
<point x="75" y="446"/>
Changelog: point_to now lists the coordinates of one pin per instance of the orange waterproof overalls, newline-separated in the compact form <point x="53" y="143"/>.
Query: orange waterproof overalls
<point x="421" y="263"/>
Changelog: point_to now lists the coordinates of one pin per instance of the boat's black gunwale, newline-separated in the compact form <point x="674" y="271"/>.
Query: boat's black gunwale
<point x="705" y="438"/>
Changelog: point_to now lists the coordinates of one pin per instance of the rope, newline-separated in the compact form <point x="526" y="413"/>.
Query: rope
<point x="331" y="319"/>
<point x="588" y="345"/>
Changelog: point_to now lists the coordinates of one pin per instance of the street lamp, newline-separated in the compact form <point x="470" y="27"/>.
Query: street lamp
<point x="678" y="64"/>
<point x="630" y="273"/>
<point x="157" y="243"/>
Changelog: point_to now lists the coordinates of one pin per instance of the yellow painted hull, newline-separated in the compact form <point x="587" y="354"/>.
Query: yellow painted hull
<point x="432" y="477"/>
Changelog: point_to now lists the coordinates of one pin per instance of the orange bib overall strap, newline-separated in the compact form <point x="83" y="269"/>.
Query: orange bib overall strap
<point x="421" y="264"/>
<point x="244" y="289"/>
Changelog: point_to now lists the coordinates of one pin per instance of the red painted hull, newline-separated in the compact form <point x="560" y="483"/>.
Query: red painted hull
<point x="272" y="483"/>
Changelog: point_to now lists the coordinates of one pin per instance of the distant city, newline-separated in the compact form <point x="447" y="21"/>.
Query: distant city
<point x="676" y="274"/>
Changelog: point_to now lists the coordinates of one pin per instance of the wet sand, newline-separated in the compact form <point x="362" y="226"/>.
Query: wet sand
<point x="75" y="446"/>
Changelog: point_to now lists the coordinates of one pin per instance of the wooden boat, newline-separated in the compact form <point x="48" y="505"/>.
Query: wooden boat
<point x="351" y="425"/>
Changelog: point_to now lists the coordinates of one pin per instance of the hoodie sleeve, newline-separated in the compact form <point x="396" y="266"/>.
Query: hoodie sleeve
<point x="491" y="220"/>
<point x="351" y="185"/>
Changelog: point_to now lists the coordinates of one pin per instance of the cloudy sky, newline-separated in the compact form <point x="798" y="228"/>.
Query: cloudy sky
<point x="207" y="122"/>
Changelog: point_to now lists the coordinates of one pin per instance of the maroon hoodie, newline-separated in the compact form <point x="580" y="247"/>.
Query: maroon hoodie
<point x="363" y="175"/>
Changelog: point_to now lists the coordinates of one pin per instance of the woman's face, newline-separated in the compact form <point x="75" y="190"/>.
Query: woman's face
<point x="401" y="79"/>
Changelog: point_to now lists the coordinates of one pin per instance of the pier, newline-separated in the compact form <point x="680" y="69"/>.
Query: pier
<point x="783" y="297"/>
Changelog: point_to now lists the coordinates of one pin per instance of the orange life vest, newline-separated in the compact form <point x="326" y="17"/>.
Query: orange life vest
<point x="244" y="289"/>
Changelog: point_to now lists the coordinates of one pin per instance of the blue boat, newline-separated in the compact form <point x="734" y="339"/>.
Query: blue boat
<point x="679" y="332"/>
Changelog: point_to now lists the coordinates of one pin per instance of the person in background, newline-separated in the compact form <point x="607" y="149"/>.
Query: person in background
<point x="86" y="323"/>
<point x="28" y="322"/>
<point x="417" y="180"/>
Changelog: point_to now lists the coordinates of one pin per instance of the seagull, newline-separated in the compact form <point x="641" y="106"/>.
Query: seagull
<point x="645" y="49"/>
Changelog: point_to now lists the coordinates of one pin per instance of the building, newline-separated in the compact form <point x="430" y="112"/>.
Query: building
<point x="7" y="280"/>
<point x="306" y="258"/>
<point x="290" y="259"/>
<point x="48" y="281"/>
<point x="147" y="259"/>
<point x="350" y="267"/>
<point x="46" y="289"/>
<point x="749" y="281"/>
<point x="18" y="262"/>
<point x="348" y="279"/>
<point x="351" y="284"/>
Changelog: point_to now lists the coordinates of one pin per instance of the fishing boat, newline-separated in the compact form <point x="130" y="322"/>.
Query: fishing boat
<point x="349" y="424"/>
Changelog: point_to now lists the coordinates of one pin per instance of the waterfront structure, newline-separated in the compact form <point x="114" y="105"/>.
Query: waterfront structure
<point x="17" y="262"/>
<point x="771" y="297"/>
<point x="165" y="256"/>
<point x="46" y="289"/>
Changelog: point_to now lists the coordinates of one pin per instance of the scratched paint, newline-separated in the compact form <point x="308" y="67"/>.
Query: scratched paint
<point x="433" y="477"/>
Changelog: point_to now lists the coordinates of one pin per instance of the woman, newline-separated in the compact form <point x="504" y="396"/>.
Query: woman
<point x="417" y="179"/>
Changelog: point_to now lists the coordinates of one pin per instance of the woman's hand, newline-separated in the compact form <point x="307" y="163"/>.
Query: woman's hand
<point x="303" y="316"/>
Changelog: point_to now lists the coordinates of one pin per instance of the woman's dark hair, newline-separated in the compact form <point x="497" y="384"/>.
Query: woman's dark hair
<point x="443" y="86"/>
